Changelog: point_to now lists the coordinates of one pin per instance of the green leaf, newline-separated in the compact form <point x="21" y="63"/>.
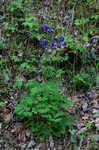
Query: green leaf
<point x="93" y="54"/>
<point x="1" y="104"/>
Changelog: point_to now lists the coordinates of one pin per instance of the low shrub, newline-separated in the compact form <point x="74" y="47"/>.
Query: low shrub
<point x="43" y="109"/>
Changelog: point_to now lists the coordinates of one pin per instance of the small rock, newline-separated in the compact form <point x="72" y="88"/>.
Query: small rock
<point x="39" y="78"/>
<point x="31" y="144"/>
<point x="95" y="111"/>
<point x="85" y="106"/>
<point x="7" y="118"/>
<point x="28" y="133"/>
<point x="51" y="142"/>
<point x="97" y="120"/>
<point x="65" y="20"/>
<point x="60" y="147"/>
<point x="23" y="145"/>
<point x="20" y="54"/>
<point x="82" y="130"/>
<point x="91" y="94"/>
<point x="94" y="42"/>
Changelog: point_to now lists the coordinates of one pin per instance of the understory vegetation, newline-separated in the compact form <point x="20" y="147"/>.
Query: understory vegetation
<point x="49" y="50"/>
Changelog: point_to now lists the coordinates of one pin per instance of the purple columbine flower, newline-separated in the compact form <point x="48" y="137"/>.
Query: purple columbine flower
<point x="50" y="30"/>
<point x="61" y="38"/>
<point x="65" y="43"/>
<point x="43" y="42"/>
<point x="53" y="43"/>
<point x="45" y="27"/>
<point x="58" y="45"/>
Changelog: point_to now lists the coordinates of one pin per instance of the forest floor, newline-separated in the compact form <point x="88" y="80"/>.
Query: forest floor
<point x="85" y="110"/>
<point x="14" y="136"/>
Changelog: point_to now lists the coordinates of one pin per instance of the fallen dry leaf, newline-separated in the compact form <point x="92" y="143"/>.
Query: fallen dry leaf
<point x="8" y="117"/>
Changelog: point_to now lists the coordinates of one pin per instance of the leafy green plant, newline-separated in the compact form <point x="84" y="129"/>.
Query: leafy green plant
<point x="48" y="71"/>
<point x="81" y="80"/>
<point x="80" y="23"/>
<point x="94" y="137"/>
<point x="72" y="131"/>
<point x="81" y="136"/>
<point x="2" y="44"/>
<point x="43" y="107"/>
<point x="15" y="12"/>
<point x="19" y="20"/>
<point x="18" y="83"/>
<point x="89" y="125"/>
<point x="1" y="104"/>
<point x="32" y="26"/>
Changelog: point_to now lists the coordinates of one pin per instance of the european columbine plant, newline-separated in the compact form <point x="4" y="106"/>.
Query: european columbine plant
<point x="43" y="108"/>
<point x="55" y="43"/>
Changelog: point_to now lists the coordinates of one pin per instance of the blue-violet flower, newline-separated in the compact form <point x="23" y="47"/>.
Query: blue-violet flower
<point x="53" y="43"/>
<point x="43" y="42"/>
<point x="58" y="45"/>
<point x="45" y="27"/>
<point x="61" y="38"/>
<point x="65" y="43"/>
<point x="50" y="30"/>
